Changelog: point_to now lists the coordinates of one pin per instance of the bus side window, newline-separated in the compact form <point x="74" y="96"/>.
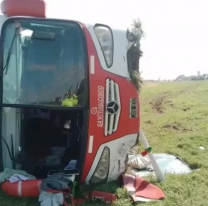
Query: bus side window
<point x="105" y="37"/>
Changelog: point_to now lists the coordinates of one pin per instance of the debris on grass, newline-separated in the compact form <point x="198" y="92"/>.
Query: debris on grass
<point x="149" y="122"/>
<point x="141" y="190"/>
<point x="176" y="126"/>
<point x="186" y="109"/>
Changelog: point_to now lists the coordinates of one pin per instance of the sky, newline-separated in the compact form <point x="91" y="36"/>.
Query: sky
<point x="176" y="40"/>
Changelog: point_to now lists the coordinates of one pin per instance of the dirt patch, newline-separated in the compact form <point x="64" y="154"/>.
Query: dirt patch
<point x="171" y="126"/>
<point x="149" y="122"/>
<point x="157" y="104"/>
<point x="171" y="104"/>
<point x="160" y="102"/>
<point x="176" y="126"/>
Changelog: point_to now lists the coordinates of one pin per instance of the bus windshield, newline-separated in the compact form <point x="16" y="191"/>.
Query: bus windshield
<point x="43" y="63"/>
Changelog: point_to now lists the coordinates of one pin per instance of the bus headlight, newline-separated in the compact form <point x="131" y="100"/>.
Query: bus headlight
<point x="101" y="172"/>
<point x="105" y="38"/>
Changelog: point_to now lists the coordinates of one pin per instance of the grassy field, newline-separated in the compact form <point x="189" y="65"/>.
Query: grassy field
<point x="175" y="120"/>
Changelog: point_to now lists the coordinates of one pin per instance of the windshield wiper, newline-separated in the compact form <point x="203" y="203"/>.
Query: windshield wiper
<point x="9" y="53"/>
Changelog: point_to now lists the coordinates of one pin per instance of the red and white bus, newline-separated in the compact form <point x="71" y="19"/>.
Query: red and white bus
<point x="65" y="95"/>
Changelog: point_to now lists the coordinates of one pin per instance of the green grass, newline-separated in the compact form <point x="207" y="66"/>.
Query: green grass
<point x="174" y="117"/>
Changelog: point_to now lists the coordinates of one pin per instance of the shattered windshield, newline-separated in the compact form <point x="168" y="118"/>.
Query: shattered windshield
<point x="43" y="63"/>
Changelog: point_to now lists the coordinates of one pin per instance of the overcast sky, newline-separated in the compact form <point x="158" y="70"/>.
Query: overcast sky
<point x="176" y="39"/>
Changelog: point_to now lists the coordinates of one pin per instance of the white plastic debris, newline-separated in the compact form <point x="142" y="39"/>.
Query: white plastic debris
<point x="201" y="148"/>
<point x="138" y="161"/>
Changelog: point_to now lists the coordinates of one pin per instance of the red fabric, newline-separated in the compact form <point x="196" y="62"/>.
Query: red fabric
<point x="65" y="191"/>
<point x="147" y="190"/>
<point x="79" y="201"/>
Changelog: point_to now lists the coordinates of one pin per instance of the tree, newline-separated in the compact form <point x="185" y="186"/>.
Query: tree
<point x="180" y="77"/>
<point x="134" y="52"/>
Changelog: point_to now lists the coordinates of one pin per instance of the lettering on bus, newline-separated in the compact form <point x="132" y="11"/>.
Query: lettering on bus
<point x="100" y="107"/>
<point x="98" y="111"/>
